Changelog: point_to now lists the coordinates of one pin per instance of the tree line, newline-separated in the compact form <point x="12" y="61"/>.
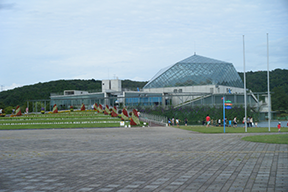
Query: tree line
<point x="257" y="82"/>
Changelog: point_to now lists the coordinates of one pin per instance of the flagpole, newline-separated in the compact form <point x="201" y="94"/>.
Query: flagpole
<point x="245" y="99"/>
<point x="224" y="114"/>
<point x="268" y="87"/>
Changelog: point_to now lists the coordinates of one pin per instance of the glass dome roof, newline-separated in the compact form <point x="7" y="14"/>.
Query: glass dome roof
<point x="196" y="70"/>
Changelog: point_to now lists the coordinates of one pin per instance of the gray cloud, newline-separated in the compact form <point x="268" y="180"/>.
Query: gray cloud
<point x="6" y="6"/>
<point x="134" y="39"/>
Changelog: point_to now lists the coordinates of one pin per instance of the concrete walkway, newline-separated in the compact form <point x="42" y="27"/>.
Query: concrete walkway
<point x="138" y="159"/>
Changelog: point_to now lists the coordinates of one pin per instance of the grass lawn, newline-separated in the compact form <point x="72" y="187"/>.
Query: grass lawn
<point x="61" y="126"/>
<point x="277" y="139"/>
<point x="204" y="129"/>
<point x="68" y="120"/>
<point x="59" y="120"/>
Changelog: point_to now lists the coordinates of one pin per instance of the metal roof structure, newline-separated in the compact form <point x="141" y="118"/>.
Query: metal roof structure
<point x="196" y="70"/>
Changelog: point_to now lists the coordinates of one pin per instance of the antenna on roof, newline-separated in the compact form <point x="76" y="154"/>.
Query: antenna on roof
<point x="194" y="48"/>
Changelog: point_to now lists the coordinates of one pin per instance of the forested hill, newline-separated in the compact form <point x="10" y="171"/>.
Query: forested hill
<point x="20" y="95"/>
<point x="256" y="81"/>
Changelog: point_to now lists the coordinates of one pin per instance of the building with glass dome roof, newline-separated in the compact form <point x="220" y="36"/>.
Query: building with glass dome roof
<point x="196" y="70"/>
<point x="197" y="74"/>
<point x="196" y="80"/>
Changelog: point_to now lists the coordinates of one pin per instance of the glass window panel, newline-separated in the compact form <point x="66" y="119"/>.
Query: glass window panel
<point x="196" y="70"/>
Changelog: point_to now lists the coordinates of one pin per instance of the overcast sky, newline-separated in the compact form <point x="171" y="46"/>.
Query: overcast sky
<point x="42" y="41"/>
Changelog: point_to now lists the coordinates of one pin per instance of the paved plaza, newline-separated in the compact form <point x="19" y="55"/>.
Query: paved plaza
<point x="138" y="159"/>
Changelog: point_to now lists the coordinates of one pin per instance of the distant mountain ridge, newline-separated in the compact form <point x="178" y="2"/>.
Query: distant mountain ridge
<point x="256" y="81"/>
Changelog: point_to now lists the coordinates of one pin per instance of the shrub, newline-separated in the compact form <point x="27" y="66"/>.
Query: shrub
<point x="196" y="114"/>
<point x="8" y="110"/>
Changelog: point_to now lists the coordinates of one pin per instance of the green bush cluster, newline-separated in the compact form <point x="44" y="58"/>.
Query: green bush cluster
<point x="197" y="114"/>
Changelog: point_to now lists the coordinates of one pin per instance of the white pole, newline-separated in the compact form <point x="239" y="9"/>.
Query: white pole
<point x="268" y="86"/>
<point x="224" y="113"/>
<point x="245" y="99"/>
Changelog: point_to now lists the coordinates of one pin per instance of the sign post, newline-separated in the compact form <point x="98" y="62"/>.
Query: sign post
<point x="226" y="105"/>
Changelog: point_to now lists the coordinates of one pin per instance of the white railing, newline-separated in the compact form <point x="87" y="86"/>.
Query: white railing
<point x="157" y="119"/>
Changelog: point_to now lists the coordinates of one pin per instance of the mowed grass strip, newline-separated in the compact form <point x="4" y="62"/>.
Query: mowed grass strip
<point x="57" y="120"/>
<point x="60" y="126"/>
<point x="204" y="129"/>
<point x="52" y="116"/>
<point x="276" y="139"/>
<point x="65" y="120"/>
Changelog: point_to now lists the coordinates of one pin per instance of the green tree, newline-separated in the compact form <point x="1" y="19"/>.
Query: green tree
<point x="279" y="99"/>
<point x="2" y="105"/>
<point x="8" y="110"/>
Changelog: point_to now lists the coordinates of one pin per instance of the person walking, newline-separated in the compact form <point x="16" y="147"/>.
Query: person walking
<point x="235" y="122"/>
<point x="219" y="122"/>
<point x="279" y="127"/>
<point x="172" y="121"/>
<point x="169" y="122"/>
<point x="177" y="122"/>
<point x="230" y="123"/>
<point x="248" y="121"/>
<point x="207" y="120"/>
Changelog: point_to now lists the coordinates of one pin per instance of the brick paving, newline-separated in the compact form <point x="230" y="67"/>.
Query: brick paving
<point x="138" y="159"/>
